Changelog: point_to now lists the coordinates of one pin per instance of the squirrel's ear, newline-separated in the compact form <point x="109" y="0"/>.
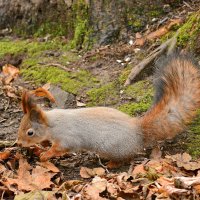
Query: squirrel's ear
<point x="27" y="102"/>
<point x="37" y="115"/>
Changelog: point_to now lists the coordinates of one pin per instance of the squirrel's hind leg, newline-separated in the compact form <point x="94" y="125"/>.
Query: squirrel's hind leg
<point x="114" y="164"/>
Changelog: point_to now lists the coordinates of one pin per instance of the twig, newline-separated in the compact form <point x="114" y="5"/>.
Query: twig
<point x="169" y="45"/>
<point x="101" y="164"/>
<point x="188" y="5"/>
<point x="3" y="120"/>
<point x="56" y="65"/>
<point x="7" y="143"/>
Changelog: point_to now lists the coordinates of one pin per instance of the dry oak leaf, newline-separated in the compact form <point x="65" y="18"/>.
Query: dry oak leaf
<point x="170" y="190"/>
<point x="50" y="166"/>
<point x="69" y="184"/>
<point x="10" y="72"/>
<point x="138" y="170"/>
<point x="36" y="195"/>
<point x="184" y="160"/>
<point x="26" y="180"/>
<point x="2" y="168"/>
<point x="97" y="186"/>
<point x="197" y="188"/>
<point x="86" y="172"/>
<point x="4" y="155"/>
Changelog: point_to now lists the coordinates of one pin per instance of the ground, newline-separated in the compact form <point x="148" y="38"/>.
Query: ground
<point x="95" y="78"/>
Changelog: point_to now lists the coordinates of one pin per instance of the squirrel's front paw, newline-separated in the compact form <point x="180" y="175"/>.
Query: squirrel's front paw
<point x="44" y="157"/>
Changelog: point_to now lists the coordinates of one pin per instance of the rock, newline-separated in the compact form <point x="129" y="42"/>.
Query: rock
<point x="63" y="99"/>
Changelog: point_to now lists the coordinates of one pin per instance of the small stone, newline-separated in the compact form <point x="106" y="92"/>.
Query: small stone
<point x="127" y="59"/>
<point x="119" y="61"/>
<point x="131" y="42"/>
<point x="136" y="50"/>
<point x="154" y="20"/>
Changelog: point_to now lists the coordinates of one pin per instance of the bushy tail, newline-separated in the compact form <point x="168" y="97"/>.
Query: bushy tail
<point x="177" y="97"/>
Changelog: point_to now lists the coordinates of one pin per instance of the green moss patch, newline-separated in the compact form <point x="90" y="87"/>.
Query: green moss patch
<point x="190" y="30"/>
<point x="70" y="82"/>
<point x="141" y="91"/>
<point x="105" y="95"/>
<point x="15" y="47"/>
<point x="134" y="108"/>
<point x="193" y="143"/>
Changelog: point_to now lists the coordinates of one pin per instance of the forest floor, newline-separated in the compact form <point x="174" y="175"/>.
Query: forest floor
<point x="97" y="74"/>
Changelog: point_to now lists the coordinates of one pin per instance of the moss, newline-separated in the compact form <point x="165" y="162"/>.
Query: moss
<point x="189" y="30"/>
<point x="105" y="95"/>
<point x="156" y="12"/>
<point x="81" y="37"/>
<point x="124" y="74"/>
<point x="52" y="28"/>
<point x="35" y="52"/>
<point x="14" y="47"/>
<point x="192" y="144"/>
<point x="71" y="82"/>
<point x="134" y="108"/>
<point x="141" y="91"/>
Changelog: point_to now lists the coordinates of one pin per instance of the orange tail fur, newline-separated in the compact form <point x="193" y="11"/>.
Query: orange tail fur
<point x="177" y="98"/>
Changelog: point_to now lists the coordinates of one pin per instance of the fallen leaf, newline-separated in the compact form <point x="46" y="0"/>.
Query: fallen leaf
<point x="88" y="173"/>
<point x="99" y="171"/>
<point x="10" y="72"/>
<point x="50" y="166"/>
<point x="165" y="181"/>
<point x="69" y="184"/>
<point x="39" y="195"/>
<point x="2" y="168"/>
<point x="97" y="186"/>
<point x="138" y="170"/>
<point x="113" y="189"/>
<point x="29" y="179"/>
<point x="184" y="160"/>
<point x="4" y="155"/>
<point x="197" y="188"/>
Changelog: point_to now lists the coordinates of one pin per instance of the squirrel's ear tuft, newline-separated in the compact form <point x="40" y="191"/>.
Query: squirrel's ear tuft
<point x="27" y="102"/>
<point x="30" y="107"/>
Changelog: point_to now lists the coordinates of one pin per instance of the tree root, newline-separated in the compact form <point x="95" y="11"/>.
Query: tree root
<point x="168" y="47"/>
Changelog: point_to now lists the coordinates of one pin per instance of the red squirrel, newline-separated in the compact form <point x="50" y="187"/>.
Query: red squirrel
<point x="111" y="133"/>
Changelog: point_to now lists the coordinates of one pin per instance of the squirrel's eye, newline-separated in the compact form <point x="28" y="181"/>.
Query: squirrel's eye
<point x="30" y="132"/>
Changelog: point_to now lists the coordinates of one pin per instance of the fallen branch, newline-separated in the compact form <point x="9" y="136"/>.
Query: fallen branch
<point x="168" y="47"/>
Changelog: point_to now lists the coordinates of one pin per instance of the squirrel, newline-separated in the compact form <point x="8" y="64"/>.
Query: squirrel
<point x="111" y="133"/>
